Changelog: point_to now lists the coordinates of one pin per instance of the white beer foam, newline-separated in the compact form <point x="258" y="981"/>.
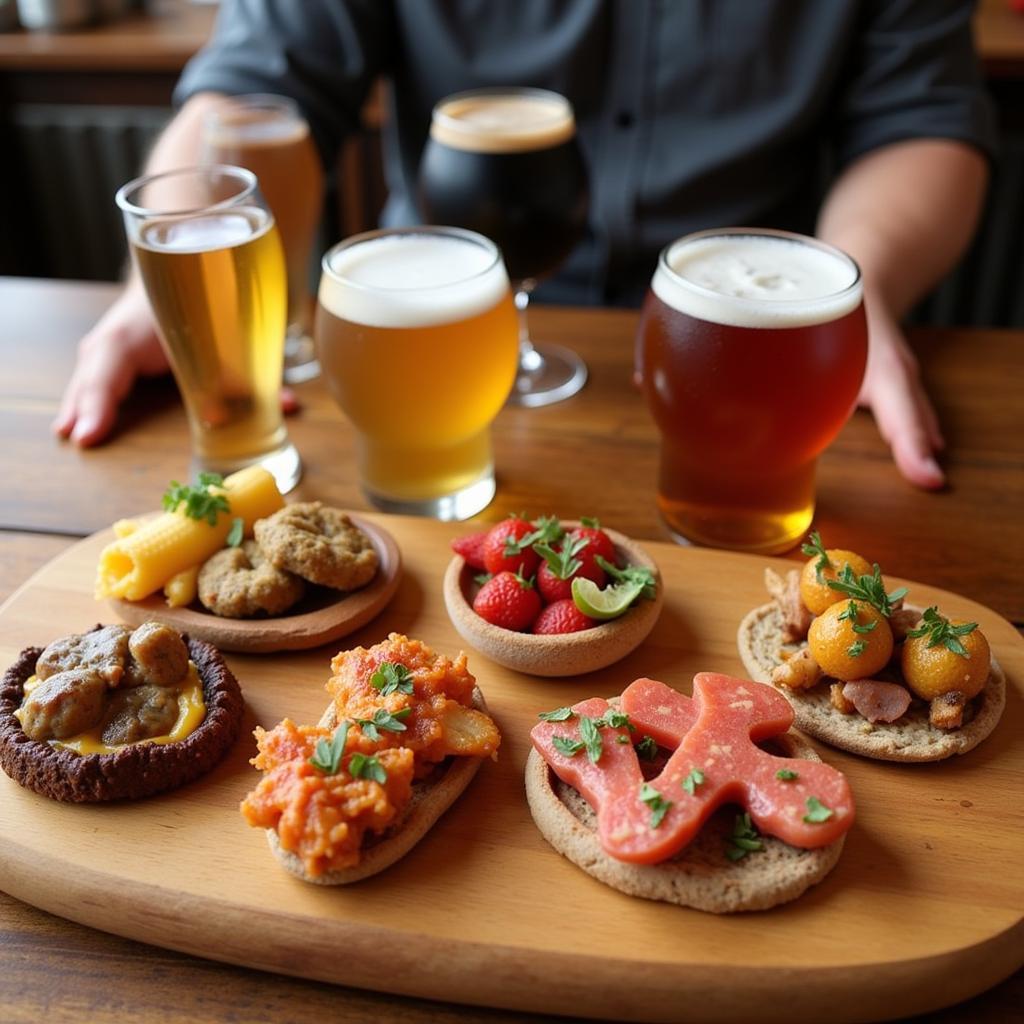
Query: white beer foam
<point x="412" y="280"/>
<point x="206" y="233"/>
<point x="757" y="281"/>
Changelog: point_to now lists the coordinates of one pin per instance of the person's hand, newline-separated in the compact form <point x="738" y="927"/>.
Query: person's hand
<point x="121" y="347"/>
<point x="892" y="389"/>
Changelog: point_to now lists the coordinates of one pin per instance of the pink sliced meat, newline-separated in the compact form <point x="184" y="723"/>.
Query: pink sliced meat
<point x="877" y="701"/>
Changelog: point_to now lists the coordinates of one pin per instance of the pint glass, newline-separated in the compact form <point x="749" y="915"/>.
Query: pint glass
<point x="417" y="337"/>
<point x="505" y="162"/>
<point x="752" y="346"/>
<point x="268" y="135"/>
<point x="210" y="259"/>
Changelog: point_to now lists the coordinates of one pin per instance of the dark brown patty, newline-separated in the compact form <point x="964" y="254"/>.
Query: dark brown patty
<point x="135" y="771"/>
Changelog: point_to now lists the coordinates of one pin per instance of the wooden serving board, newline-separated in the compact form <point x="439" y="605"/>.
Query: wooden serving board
<point x="925" y="908"/>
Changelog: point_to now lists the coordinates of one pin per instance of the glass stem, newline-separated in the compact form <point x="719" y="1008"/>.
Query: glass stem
<point x="530" y="360"/>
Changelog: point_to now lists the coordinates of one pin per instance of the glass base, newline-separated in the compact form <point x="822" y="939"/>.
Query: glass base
<point x="284" y="465"/>
<point x="300" y="362"/>
<point x="741" y="531"/>
<point x="547" y="374"/>
<point x="463" y="504"/>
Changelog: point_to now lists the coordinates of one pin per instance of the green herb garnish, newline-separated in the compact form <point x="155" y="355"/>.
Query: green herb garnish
<point x="787" y="774"/>
<point x="616" y="720"/>
<point x="198" y="502"/>
<point x="646" y="749"/>
<point x="566" y="746"/>
<point x="939" y="630"/>
<point x="851" y="614"/>
<point x="558" y="715"/>
<point x="391" y="677"/>
<point x="744" y="838"/>
<point x="362" y="767"/>
<point x="693" y="780"/>
<point x="857" y="648"/>
<point x="483" y="577"/>
<point x="327" y="753"/>
<point x="817" y="812"/>
<point x="563" y="564"/>
<point x="591" y="738"/>
<point x="815" y="547"/>
<point x="658" y="804"/>
<point x="631" y="574"/>
<point x="235" y="534"/>
<point x="383" y="719"/>
<point x="867" y="588"/>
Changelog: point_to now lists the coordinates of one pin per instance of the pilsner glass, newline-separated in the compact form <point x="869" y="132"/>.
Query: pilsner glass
<point x="205" y="246"/>
<point x="269" y="136"/>
<point x="505" y="162"/>
<point x="752" y="346"/>
<point x="417" y="337"/>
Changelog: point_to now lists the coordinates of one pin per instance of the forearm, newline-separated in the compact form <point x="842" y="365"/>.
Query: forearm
<point x="906" y="213"/>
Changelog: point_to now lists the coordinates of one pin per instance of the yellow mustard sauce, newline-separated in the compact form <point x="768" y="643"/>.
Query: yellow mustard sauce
<point x="191" y="712"/>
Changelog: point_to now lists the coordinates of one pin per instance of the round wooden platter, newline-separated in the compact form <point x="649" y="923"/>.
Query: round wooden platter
<point x="321" y="617"/>
<point x="925" y="908"/>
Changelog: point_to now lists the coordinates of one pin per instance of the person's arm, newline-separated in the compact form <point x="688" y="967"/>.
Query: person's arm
<point x="905" y="212"/>
<point x="123" y="344"/>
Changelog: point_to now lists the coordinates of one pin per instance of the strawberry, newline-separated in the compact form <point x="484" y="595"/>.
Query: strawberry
<point x="561" y="567"/>
<point x="598" y="542"/>
<point x="508" y="600"/>
<point x="507" y="548"/>
<point x="562" y="617"/>
<point x="471" y="547"/>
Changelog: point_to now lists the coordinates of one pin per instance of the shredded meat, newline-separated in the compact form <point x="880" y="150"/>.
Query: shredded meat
<point x="839" y="700"/>
<point x="902" y="621"/>
<point x="800" y="672"/>
<point x="796" y="619"/>
<point x="947" y="711"/>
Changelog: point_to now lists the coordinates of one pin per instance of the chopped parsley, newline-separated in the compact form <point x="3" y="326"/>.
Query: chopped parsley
<point x="328" y="753"/>
<point x="558" y="715"/>
<point x="656" y="802"/>
<point x="646" y="749"/>
<point x="744" y="838"/>
<point x="195" y="500"/>
<point x="362" y="766"/>
<point x="391" y="677"/>
<point x="383" y="719"/>
<point x="693" y="780"/>
<point x="817" y="812"/>
<point x="566" y="746"/>
<point x="940" y="630"/>
<point x="787" y="774"/>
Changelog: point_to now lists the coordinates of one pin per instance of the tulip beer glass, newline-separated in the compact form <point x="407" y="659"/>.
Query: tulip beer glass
<point x="751" y="348"/>
<point x="210" y="259"/>
<point x="268" y="135"/>
<point x="417" y="337"/>
<point x="505" y="162"/>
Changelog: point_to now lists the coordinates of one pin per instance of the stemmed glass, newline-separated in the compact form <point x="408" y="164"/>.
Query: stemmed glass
<point x="505" y="162"/>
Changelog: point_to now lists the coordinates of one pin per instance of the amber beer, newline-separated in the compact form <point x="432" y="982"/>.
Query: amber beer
<point x="268" y="135"/>
<point x="417" y="337"/>
<point x="214" y="276"/>
<point x="752" y="347"/>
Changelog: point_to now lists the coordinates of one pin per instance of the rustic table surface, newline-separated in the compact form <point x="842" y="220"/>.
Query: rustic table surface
<point x="594" y="454"/>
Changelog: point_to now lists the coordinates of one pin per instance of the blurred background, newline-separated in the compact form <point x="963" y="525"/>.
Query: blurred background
<point x="85" y="86"/>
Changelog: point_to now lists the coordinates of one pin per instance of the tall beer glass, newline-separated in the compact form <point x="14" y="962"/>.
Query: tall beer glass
<point x="205" y="246"/>
<point x="417" y="337"/>
<point x="505" y="162"/>
<point x="269" y="136"/>
<point x="752" y="346"/>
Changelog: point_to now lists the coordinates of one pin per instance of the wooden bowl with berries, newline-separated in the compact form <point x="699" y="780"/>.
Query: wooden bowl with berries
<point x="550" y="597"/>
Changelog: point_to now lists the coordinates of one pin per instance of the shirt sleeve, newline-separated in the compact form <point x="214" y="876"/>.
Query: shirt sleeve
<point x="324" y="54"/>
<point x="913" y="73"/>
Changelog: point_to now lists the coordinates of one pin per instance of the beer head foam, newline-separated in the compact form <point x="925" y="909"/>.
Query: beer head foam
<point x="511" y="122"/>
<point x="206" y="233"/>
<point x="757" y="280"/>
<point x="412" y="279"/>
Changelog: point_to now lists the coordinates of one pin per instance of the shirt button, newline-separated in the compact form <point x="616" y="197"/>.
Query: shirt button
<point x="624" y="119"/>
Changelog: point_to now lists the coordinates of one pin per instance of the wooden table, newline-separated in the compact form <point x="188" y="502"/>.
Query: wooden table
<point x="596" y="453"/>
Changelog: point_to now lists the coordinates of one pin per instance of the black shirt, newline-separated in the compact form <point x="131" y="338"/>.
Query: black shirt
<point x="691" y="113"/>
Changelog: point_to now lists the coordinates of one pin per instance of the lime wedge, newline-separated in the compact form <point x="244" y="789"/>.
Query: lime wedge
<point x="609" y="603"/>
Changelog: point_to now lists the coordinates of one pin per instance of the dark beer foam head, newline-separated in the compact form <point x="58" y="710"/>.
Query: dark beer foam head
<point x="503" y="122"/>
<point x="757" y="279"/>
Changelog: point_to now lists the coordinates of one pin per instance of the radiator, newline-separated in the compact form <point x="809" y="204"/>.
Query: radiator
<point x="73" y="160"/>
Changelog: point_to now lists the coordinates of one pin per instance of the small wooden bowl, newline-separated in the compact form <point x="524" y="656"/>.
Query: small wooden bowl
<point x="569" y="654"/>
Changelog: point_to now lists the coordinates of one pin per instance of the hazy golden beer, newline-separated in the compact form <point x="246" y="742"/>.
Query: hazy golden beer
<point x="268" y="135"/>
<point x="214" y="275"/>
<point x="752" y="346"/>
<point x="417" y="337"/>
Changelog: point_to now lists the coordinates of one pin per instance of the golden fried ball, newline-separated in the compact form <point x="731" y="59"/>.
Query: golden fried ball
<point x="843" y="652"/>
<point x="933" y="671"/>
<point x="816" y="594"/>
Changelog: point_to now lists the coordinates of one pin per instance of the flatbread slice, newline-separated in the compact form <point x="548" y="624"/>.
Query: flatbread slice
<point x="910" y="739"/>
<point x="431" y="797"/>
<point x="701" y="876"/>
